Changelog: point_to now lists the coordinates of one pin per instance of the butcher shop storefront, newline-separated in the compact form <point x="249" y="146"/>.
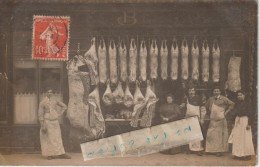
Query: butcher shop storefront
<point x="123" y="60"/>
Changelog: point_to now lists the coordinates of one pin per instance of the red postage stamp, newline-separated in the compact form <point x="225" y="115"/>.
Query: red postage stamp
<point x="50" y="37"/>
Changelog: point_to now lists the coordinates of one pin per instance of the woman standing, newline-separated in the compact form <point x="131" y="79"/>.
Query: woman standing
<point x="241" y="135"/>
<point x="169" y="112"/>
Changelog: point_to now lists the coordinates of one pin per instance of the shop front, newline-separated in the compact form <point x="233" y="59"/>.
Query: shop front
<point x="221" y="32"/>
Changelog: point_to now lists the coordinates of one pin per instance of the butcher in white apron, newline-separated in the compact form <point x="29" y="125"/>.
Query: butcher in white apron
<point x="50" y="133"/>
<point x="194" y="107"/>
<point x="241" y="135"/>
<point x="217" y="134"/>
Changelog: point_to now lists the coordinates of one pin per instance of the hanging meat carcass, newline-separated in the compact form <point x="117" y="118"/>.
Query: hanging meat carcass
<point x="91" y="60"/>
<point x="128" y="99"/>
<point x="174" y="60"/>
<point x="96" y="119"/>
<point x="205" y="61"/>
<point x="139" y="104"/>
<point x="118" y="94"/>
<point x="132" y="61"/>
<point x="123" y="61"/>
<point x="112" y="62"/>
<point x="78" y="109"/>
<point x="164" y="60"/>
<point x="108" y="95"/>
<point x="153" y="60"/>
<point x="215" y="63"/>
<point x="233" y="82"/>
<point x="150" y="99"/>
<point x="102" y="56"/>
<point x="195" y="60"/>
<point x="143" y="61"/>
<point x="185" y="60"/>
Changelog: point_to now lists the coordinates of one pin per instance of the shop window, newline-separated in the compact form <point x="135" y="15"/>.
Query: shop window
<point x="31" y="80"/>
<point x="25" y="93"/>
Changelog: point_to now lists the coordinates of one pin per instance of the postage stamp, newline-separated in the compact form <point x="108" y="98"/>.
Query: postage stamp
<point x="50" y="37"/>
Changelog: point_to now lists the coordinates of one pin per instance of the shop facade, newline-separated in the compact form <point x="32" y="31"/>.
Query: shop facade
<point x="24" y="80"/>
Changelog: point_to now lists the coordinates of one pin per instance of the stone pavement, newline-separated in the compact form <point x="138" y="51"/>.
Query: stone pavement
<point x="156" y="159"/>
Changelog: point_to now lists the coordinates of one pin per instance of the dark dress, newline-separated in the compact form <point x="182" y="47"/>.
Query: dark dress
<point x="170" y="111"/>
<point x="173" y="113"/>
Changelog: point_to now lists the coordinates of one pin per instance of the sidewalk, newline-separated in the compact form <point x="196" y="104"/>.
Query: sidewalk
<point x="156" y="159"/>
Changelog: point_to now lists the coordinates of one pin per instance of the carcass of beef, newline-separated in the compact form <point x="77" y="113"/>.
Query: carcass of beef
<point x="174" y="60"/>
<point x="139" y="105"/>
<point x="128" y="99"/>
<point x="108" y="95"/>
<point x="112" y="62"/>
<point x="132" y="61"/>
<point x="97" y="122"/>
<point x="164" y="60"/>
<point x="185" y="60"/>
<point x="150" y="100"/>
<point x="233" y="82"/>
<point x="143" y="61"/>
<point x="102" y="56"/>
<point x="91" y="60"/>
<point x="118" y="94"/>
<point x="195" y="60"/>
<point x="215" y="63"/>
<point x="205" y="61"/>
<point x="154" y="60"/>
<point x="123" y="61"/>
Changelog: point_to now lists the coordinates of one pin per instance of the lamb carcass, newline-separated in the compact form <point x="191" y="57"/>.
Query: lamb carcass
<point x="164" y="60"/>
<point x="132" y="61"/>
<point x="185" y="60"/>
<point x="153" y="60"/>
<point x="102" y="56"/>
<point x="174" y="60"/>
<point x="215" y="63"/>
<point x="123" y="61"/>
<point x="118" y="94"/>
<point x="143" y="61"/>
<point x="128" y="99"/>
<point x="108" y="95"/>
<point x="195" y="60"/>
<point x="205" y="61"/>
<point x="112" y="62"/>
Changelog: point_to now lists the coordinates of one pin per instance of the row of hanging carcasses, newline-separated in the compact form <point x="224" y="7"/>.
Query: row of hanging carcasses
<point x="117" y="63"/>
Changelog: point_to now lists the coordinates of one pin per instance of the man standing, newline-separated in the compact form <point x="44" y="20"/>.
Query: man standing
<point x="50" y="134"/>
<point x="217" y="135"/>
<point x="194" y="107"/>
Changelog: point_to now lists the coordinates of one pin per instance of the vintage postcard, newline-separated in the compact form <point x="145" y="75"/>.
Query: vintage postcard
<point x="128" y="83"/>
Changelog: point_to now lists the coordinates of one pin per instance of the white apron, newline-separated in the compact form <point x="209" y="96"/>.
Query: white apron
<point x="217" y="135"/>
<point x="241" y="138"/>
<point x="194" y="111"/>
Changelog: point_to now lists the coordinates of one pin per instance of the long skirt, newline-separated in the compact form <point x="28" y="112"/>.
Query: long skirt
<point x="217" y="136"/>
<point x="51" y="142"/>
<point x="241" y="138"/>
